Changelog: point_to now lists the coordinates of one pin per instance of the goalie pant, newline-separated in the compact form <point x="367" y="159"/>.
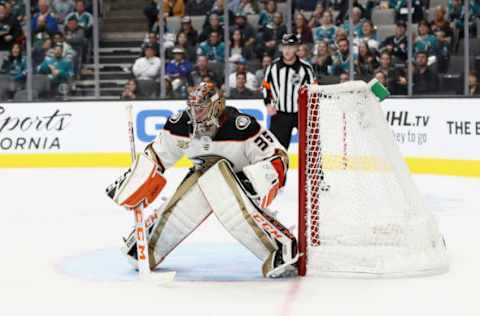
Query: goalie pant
<point x="217" y="190"/>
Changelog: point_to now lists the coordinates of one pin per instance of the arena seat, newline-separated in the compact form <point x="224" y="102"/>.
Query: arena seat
<point x="382" y="17"/>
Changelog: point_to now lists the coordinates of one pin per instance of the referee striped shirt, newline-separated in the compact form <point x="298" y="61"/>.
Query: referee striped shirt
<point x="282" y="83"/>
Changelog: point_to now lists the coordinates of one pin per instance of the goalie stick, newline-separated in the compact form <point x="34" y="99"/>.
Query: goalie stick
<point x="143" y="259"/>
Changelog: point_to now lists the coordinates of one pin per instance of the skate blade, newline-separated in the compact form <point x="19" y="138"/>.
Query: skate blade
<point x="285" y="270"/>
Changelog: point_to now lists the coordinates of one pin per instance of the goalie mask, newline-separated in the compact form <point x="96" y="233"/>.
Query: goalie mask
<point x="205" y="105"/>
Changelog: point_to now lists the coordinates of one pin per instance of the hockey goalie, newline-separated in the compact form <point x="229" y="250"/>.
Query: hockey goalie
<point x="238" y="169"/>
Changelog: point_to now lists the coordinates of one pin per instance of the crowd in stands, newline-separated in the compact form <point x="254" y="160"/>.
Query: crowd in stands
<point x="62" y="40"/>
<point x="322" y="27"/>
<point x="61" y="37"/>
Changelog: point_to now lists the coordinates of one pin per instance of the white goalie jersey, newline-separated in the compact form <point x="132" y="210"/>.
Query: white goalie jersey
<point x="240" y="139"/>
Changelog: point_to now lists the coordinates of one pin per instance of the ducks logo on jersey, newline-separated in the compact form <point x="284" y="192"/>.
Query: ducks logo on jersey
<point x="175" y="117"/>
<point x="242" y="122"/>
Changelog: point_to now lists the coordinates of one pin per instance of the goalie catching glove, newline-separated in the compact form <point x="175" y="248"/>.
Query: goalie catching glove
<point x="142" y="183"/>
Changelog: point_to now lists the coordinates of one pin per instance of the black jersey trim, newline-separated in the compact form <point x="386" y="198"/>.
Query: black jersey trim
<point x="179" y="127"/>
<point x="229" y="131"/>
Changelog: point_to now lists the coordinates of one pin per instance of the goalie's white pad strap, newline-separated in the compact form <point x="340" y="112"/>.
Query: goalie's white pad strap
<point x="142" y="184"/>
<point x="182" y="214"/>
<point x="264" y="179"/>
<point x="237" y="212"/>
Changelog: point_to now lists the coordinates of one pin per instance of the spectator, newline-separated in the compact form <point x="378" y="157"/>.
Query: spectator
<point x="187" y="28"/>
<point x="326" y="31"/>
<point x="40" y="37"/>
<point x="213" y="48"/>
<point x="392" y="74"/>
<point x="218" y="9"/>
<point x="151" y="40"/>
<point x="10" y="30"/>
<point x="245" y="28"/>
<point x="425" y="41"/>
<point x="304" y="52"/>
<point x="342" y="8"/>
<point x="368" y="35"/>
<point x="266" y="15"/>
<point x="317" y="16"/>
<point x="84" y="18"/>
<point x="305" y="5"/>
<point x="456" y="13"/>
<point x="340" y="34"/>
<point x="44" y="20"/>
<point x="397" y="45"/>
<point x="381" y="77"/>
<point x="248" y="7"/>
<point x="301" y="29"/>
<point x="213" y="25"/>
<point x="401" y="9"/>
<point x="75" y="37"/>
<point x="62" y="8"/>
<point x="241" y="91"/>
<point x="68" y="51"/>
<point x="322" y="62"/>
<point x="260" y="73"/>
<point x="341" y="59"/>
<point x="18" y="10"/>
<point x="271" y="36"/>
<point x="148" y="67"/>
<point x="237" y="46"/>
<point x="178" y="71"/>
<point x="440" y="23"/>
<point x="190" y="52"/>
<point x="473" y="85"/>
<point x="344" y="77"/>
<point x="365" y="61"/>
<point x="151" y="13"/>
<point x="130" y="90"/>
<point x="202" y="70"/>
<point x="240" y="65"/>
<point x="357" y="22"/>
<point x="198" y="7"/>
<point x="58" y="69"/>
<point x="15" y="65"/>
<point x="425" y="81"/>
<point x="443" y="51"/>
<point x="39" y="52"/>
<point x="173" y="7"/>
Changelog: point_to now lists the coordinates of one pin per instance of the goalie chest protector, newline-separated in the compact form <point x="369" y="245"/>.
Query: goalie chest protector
<point x="234" y="140"/>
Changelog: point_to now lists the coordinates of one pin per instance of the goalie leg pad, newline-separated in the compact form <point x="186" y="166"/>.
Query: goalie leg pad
<point x="241" y="216"/>
<point x="183" y="213"/>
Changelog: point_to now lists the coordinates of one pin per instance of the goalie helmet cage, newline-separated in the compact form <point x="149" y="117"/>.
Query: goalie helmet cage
<point x="360" y="214"/>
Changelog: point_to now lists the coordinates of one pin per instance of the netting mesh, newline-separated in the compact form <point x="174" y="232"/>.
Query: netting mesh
<point x="363" y="212"/>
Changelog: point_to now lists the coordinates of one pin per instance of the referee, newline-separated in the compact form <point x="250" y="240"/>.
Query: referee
<point x="282" y="82"/>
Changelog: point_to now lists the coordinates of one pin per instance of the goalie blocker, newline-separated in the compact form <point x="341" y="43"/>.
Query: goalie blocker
<point x="218" y="190"/>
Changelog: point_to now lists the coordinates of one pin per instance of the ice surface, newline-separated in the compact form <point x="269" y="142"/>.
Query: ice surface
<point x="61" y="239"/>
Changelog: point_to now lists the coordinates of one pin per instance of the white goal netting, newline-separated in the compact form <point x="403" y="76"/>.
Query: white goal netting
<point x="362" y="213"/>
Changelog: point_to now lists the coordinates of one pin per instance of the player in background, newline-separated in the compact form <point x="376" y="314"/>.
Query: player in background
<point x="238" y="168"/>
<point x="283" y="80"/>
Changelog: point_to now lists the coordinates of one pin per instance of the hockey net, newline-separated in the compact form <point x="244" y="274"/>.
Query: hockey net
<point x="360" y="212"/>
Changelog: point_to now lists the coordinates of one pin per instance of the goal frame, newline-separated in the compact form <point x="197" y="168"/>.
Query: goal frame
<point x="302" y="229"/>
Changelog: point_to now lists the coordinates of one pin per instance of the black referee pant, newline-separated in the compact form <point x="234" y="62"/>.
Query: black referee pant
<point x="282" y="124"/>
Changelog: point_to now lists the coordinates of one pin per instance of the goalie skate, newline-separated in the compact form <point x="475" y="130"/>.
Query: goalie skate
<point x="284" y="263"/>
